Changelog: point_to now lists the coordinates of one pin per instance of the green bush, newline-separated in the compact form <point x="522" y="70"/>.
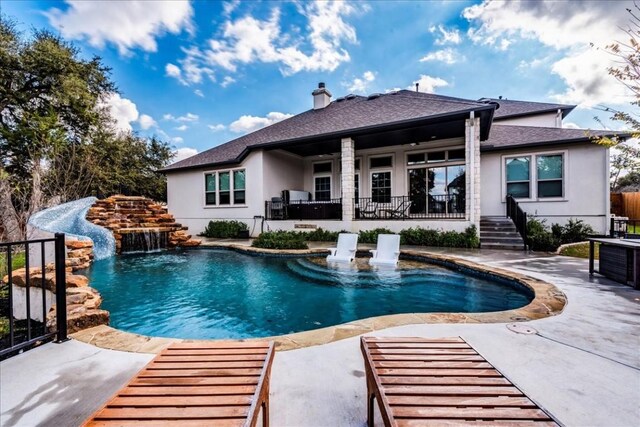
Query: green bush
<point x="224" y="229"/>
<point x="320" y="235"/>
<point x="280" y="240"/>
<point x="540" y="238"/>
<point x="371" y="236"/>
<point x="419" y="236"/>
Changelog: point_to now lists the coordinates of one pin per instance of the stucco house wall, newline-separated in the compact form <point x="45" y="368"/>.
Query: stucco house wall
<point x="549" y="120"/>
<point x="586" y="185"/>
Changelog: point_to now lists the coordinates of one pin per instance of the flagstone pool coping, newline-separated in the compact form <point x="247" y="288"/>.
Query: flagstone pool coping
<point x="548" y="301"/>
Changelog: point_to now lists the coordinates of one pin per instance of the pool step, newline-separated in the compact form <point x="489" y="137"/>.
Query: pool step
<point x="499" y="233"/>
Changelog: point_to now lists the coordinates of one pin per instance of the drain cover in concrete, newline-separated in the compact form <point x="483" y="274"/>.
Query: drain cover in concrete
<point x="519" y="328"/>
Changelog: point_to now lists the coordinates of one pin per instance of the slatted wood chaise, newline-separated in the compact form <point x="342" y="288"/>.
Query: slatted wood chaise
<point x="218" y="384"/>
<point x="425" y="382"/>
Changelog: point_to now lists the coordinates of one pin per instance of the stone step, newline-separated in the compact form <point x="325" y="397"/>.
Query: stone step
<point x="509" y="240"/>
<point x="494" y="233"/>
<point x="502" y="246"/>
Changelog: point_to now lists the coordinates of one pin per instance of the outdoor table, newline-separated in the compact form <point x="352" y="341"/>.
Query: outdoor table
<point x="619" y="260"/>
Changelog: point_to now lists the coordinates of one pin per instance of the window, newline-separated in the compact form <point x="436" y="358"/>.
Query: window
<point x="436" y="156"/>
<point x="356" y="185"/>
<point x="225" y="188"/>
<point x="381" y="187"/>
<point x="239" y="196"/>
<point x="416" y="159"/>
<point x="322" y="188"/>
<point x="210" y="189"/>
<point x="380" y="162"/>
<point x="324" y="167"/>
<point x="518" y="177"/>
<point x="356" y="164"/>
<point x="550" y="173"/>
<point x="454" y="155"/>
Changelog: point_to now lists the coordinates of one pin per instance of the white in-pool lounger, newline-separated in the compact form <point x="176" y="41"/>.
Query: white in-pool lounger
<point x="346" y="248"/>
<point x="387" y="251"/>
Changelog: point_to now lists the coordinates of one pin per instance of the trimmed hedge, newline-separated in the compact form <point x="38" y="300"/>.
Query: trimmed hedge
<point x="224" y="229"/>
<point x="280" y="240"/>
<point x="412" y="236"/>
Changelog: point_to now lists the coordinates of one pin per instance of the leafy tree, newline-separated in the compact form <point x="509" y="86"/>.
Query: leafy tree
<point x="626" y="155"/>
<point x="57" y="139"/>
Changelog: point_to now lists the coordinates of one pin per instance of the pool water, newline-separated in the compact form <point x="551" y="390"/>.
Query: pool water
<point x="212" y="294"/>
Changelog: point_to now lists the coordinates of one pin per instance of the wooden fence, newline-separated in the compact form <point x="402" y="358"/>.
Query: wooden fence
<point x="626" y="204"/>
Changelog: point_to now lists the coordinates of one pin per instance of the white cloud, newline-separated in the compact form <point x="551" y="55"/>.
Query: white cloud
<point x="247" y="124"/>
<point x="182" y="128"/>
<point x="227" y="81"/>
<point x="146" y="121"/>
<point x="183" y="153"/>
<point x="448" y="56"/>
<point x="199" y="93"/>
<point x="446" y="36"/>
<point x="187" y="118"/>
<point x="177" y="140"/>
<point x="127" y="25"/>
<point x="122" y="110"/>
<point x="579" y="31"/>
<point x="360" y="84"/>
<point x="428" y="84"/>
<point x="217" y="128"/>
<point x="173" y="70"/>
<point x="249" y="39"/>
<point x="229" y="6"/>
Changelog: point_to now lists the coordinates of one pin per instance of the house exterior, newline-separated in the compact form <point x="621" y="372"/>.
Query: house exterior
<point x="397" y="160"/>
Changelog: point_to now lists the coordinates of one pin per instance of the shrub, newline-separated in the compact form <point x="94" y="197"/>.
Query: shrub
<point x="452" y="239"/>
<point x="575" y="230"/>
<point x="371" y="236"/>
<point x="224" y="229"/>
<point x="539" y="238"/>
<point x="320" y="235"/>
<point x="280" y="240"/>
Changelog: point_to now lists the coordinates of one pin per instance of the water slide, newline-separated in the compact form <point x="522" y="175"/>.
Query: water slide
<point x="69" y="218"/>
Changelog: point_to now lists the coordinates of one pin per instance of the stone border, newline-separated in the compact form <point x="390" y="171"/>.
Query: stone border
<point x="548" y="301"/>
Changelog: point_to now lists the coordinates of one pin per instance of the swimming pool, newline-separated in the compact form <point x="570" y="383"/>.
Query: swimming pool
<point x="214" y="293"/>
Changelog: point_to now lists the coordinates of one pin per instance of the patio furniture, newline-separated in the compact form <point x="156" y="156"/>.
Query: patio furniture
<point x="370" y="210"/>
<point x="346" y="248"/>
<point x="387" y="250"/>
<point x="277" y="208"/>
<point x="619" y="260"/>
<point x="215" y="383"/>
<point x="420" y="382"/>
<point x="401" y="211"/>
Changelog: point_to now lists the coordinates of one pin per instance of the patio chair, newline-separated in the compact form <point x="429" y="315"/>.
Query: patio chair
<point x="420" y="381"/>
<point x="387" y="251"/>
<point x="346" y="248"/>
<point x="399" y="212"/>
<point x="370" y="210"/>
<point x="213" y="383"/>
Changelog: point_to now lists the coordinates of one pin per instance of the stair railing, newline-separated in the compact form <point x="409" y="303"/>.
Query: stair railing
<point x="518" y="216"/>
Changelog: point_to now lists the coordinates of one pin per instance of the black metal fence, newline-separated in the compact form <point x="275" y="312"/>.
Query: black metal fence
<point x="303" y="209"/>
<point x="518" y="216"/>
<point x="624" y="227"/>
<point x="447" y="206"/>
<point x="28" y="332"/>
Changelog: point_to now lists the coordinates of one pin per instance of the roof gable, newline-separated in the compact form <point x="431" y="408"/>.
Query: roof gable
<point x="507" y="108"/>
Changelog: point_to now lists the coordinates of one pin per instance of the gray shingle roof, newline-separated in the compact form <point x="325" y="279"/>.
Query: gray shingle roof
<point x="506" y="136"/>
<point x="512" y="108"/>
<point x="343" y="114"/>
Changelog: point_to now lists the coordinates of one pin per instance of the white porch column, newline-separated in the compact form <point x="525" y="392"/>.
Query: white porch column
<point x="347" y="180"/>
<point x="472" y="163"/>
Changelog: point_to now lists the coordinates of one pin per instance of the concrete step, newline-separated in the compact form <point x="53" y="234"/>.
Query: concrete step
<point x="502" y="246"/>
<point x="494" y="233"/>
<point x="508" y="240"/>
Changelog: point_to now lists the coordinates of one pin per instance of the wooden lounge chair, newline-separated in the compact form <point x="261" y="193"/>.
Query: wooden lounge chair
<point x="219" y="383"/>
<point x="370" y="210"/>
<point x="436" y="382"/>
<point x="399" y="212"/>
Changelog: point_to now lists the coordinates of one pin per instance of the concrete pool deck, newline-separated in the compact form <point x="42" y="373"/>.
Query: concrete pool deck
<point x="583" y="366"/>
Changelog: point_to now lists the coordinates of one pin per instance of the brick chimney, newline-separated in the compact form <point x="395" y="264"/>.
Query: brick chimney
<point x="321" y="97"/>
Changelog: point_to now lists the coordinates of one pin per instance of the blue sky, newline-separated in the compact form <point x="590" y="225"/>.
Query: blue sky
<point x="202" y="73"/>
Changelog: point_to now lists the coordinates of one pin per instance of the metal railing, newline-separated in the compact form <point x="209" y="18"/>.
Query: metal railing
<point x="518" y="216"/>
<point x="26" y="333"/>
<point x="624" y="227"/>
<point x="447" y="206"/>
<point x="303" y="209"/>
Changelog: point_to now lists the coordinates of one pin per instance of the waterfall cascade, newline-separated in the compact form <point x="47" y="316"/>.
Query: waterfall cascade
<point x="144" y="241"/>
<point x="70" y="218"/>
